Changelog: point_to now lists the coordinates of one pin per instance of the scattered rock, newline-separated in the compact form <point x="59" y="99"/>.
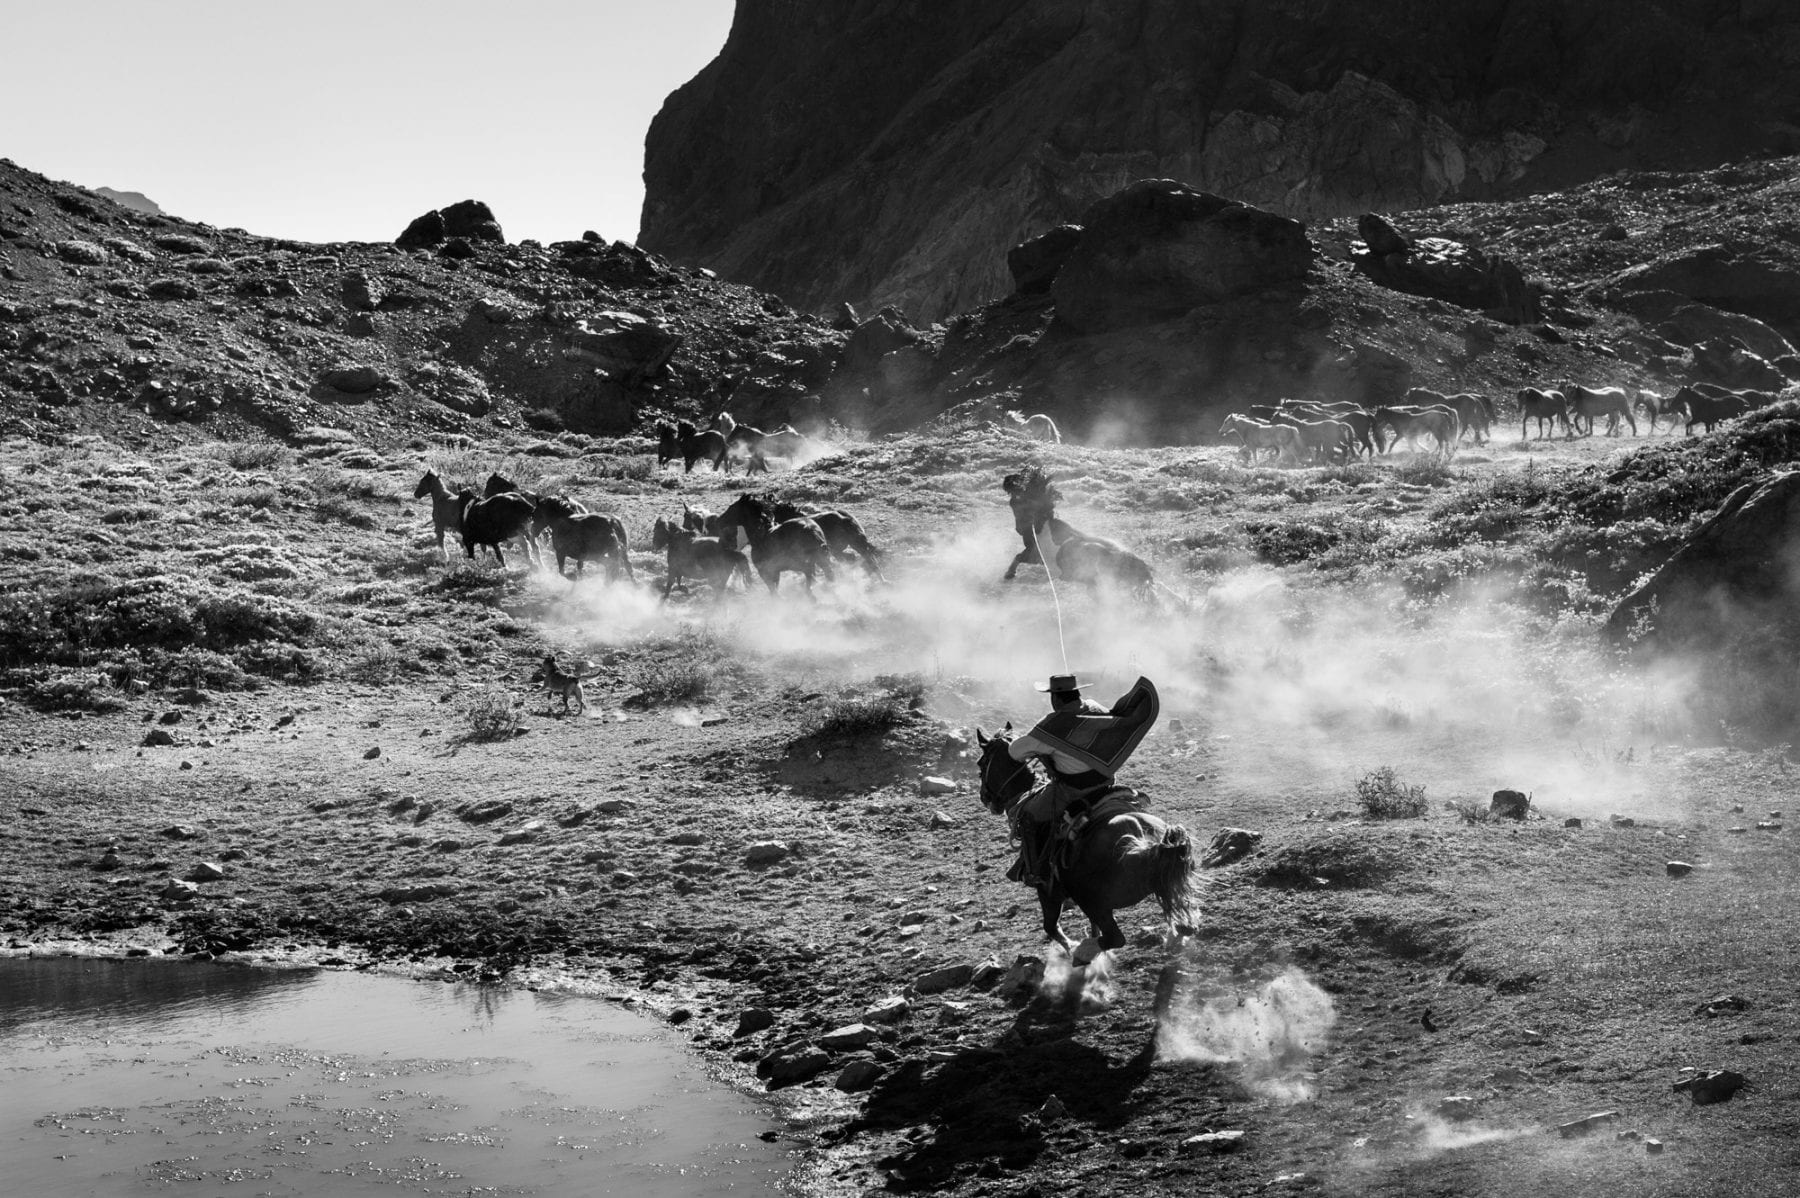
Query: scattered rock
<point x="487" y="811"/>
<point x="947" y="978"/>
<point x="1724" y="1004"/>
<point x="1457" y="1108"/>
<point x="523" y="834"/>
<point x="206" y="871"/>
<point x="988" y="974"/>
<point x="615" y="806"/>
<point x="1228" y="845"/>
<point x="786" y="1066"/>
<point x="180" y="832"/>
<point x="849" y="1037"/>
<point x="1214" y="1141"/>
<point x="177" y="891"/>
<point x="373" y="752"/>
<point x="1574" y="821"/>
<point x="1653" y="1147"/>
<point x="755" y="1019"/>
<point x="1621" y="821"/>
<point x="1718" y="1085"/>
<point x="940" y="819"/>
<point x="889" y="1010"/>
<point x="1586" y="1125"/>
<point x="766" y="852"/>
<point x="1768" y="826"/>
<point x="936" y="786"/>
<point x="1509" y="804"/>
<point x="158" y="738"/>
<point x="1052" y="1110"/>
<point x="858" y="1076"/>
<point x="1678" y="869"/>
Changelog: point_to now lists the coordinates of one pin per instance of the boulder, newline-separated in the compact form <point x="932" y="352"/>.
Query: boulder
<point x="754" y="1019"/>
<point x="1728" y="362"/>
<point x="876" y="338"/>
<point x="82" y="253"/>
<point x="1509" y="804"/>
<point x="1717" y="1085"/>
<point x="858" y="1076"/>
<point x="1731" y="574"/>
<point x="629" y="346"/>
<point x="457" y="249"/>
<point x="1159" y="249"/>
<point x="1214" y="1141"/>
<point x="423" y="233"/>
<point x="786" y="1066"/>
<point x="206" y="871"/>
<point x="931" y="785"/>
<point x="357" y="379"/>
<point x="1439" y="268"/>
<point x="471" y="219"/>
<point x="359" y="292"/>
<point x="1033" y="264"/>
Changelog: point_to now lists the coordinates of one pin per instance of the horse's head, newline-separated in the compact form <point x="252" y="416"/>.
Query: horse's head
<point x="1002" y="779"/>
<point x="428" y="485"/>
<point x="748" y="512"/>
<point x="498" y="484"/>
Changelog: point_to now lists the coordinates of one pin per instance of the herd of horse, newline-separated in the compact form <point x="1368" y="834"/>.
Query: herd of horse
<point x="757" y="532"/>
<point x="1303" y="432"/>
<point x="724" y="443"/>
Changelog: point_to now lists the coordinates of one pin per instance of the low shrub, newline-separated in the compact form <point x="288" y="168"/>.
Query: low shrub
<point x="1383" y="796"/>
<point x="492" y="715"/>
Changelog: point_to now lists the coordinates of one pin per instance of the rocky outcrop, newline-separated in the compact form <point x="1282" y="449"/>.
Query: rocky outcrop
<point x="1732" y="575"/>
<point x="1158" y="250"/>
<point x="883" y="153"/>
<point x="470" y="220"/>
<point x="1440" y="268"/>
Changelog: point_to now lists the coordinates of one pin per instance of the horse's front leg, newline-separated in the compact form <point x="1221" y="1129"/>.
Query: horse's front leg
<point x="1050" y="899"/>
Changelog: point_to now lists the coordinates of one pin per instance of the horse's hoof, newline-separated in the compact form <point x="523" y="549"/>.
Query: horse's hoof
<point x="1086" y="951"/>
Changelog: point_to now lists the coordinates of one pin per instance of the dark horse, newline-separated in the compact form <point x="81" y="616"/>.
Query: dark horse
<point x="1117" y="863"/>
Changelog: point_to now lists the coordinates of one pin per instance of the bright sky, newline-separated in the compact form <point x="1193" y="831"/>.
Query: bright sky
<point x="342" y="120"/>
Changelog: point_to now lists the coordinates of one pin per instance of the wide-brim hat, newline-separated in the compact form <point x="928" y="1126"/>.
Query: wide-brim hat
<point x="1059" y="683"/>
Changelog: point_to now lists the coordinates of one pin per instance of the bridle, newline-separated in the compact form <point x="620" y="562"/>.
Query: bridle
<point x="995" y="795"/>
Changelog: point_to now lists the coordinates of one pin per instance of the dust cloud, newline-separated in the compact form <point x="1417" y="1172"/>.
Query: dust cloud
<point x="1297" y="688"/>
<point x="1267" y="1032"/>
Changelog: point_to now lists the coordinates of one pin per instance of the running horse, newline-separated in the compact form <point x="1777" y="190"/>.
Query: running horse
<point x="1116" y="862"/>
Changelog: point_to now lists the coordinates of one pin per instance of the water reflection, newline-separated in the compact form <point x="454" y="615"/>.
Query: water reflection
<point x="117" y="1077"/>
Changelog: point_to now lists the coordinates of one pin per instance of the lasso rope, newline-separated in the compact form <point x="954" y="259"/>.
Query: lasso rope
<point x="1054" y="598"/>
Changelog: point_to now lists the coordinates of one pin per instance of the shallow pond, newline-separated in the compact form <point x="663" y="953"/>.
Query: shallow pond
<point x="139" y="1077"/>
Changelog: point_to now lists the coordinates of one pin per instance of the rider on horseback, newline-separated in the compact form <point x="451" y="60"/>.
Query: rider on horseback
<point x="1081" y="744"/>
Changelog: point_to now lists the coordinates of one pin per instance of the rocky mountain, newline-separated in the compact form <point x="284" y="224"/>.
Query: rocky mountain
<point x="1161" y="309"/>
<point x="887" y="153"/>
<point x="137" y="201"/>
<point x="110" y="316"/>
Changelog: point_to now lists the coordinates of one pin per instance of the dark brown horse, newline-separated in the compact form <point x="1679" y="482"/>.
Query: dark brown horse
<point x="778" y="546"/>
<point x="1116" y="864"/>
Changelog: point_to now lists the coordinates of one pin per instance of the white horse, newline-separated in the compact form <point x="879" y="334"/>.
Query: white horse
<point x="1034" y="428"/>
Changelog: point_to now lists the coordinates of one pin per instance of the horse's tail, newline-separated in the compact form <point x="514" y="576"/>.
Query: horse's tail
<point x="1171" y="871"/>
<point x="1171" y="874"/>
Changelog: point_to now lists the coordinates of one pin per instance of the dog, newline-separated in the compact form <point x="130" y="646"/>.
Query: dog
<point x="557" y="682"/>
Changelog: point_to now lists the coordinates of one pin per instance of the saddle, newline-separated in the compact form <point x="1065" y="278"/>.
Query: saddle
<point x="1090" y="811"/>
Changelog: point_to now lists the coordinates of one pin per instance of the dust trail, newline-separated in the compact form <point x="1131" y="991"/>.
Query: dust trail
<point x="1268" y="1033"/>
<point x="1090" y="988"/>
